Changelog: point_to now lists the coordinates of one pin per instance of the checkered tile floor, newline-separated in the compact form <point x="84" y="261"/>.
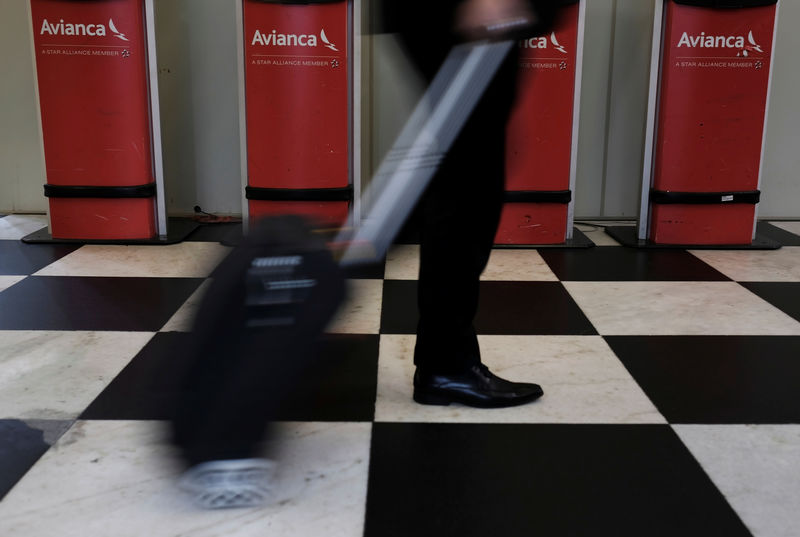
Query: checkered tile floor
<point x="671" y="407"/>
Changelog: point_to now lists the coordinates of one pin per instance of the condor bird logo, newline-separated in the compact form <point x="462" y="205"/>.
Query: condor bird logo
<point x="556" y="44"/>
<point x="752" y="46"/>
<point x="117" y="33"/>
<point x="326" y="42"/>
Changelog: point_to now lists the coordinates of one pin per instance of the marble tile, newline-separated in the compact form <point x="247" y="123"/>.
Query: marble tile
<point x="91" y="303"/>
<point x="402" y="263"/>
<point x="18" y="258"/>
<point x="361" y="313"/>
<point x="595" y="232"/>
<point x="791" y="227"/>
<point x="582" y="379"/>
<point x="678" y="308"/>
<point x="755" y="265"/>
<point x="184" y="317"/>
<point x="756" y="468"/>
<point x="55" y="375"/>
<point x="22" y="444"/>
<point x="118" y="478"/>
<point x="611" y="264"/>
<point x="16" y="226"/>
<point x="8" y="281"/>
<point x="505" y="308"/>
<point x="783" y="295"/>
<point x="515" y="480"/>
<point x="716" y="379"/>
<point x="184" y="260"/>
<point x="339" y="385"/>
<point x="517" y="265"/>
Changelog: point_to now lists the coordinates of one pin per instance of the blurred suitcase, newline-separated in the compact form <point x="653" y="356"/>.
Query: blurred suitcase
<point x="257" y="327"/>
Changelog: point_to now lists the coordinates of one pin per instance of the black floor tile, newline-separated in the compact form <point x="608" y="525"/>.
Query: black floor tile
<point x="775" y="233"/>
<point x="18" y="258"/>
<point x="783" y="295"/>
<point x="372" y="271"/>
<point x="148" y="387"/>
<point x="716" y="379"/>
<point x="628" y="264"/>
<point x="89" y="303"/>
<point x="434" y="480"/>
<point x="505" y="308"/>
<point x="341" y="386"/>
<point x="21" y="445"/>
<point x="225" y="233"/>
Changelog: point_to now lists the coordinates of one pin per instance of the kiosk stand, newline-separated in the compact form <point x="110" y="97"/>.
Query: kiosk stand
<point x="98" y="97"/>
<point x="542" y="139"/>
<point x="297" y="94"/>
<point x="710" y="76"/>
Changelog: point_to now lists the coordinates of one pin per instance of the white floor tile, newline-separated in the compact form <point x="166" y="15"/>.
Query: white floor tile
<point x="756" y="467"/>
<point x="596" y="233"/>
<point x="182" y="320"/>
<point x="8" y="281"/>
<point x="184" y="260"/>
<point x="56" y="375"/>
<point x="791" y="227"/>
<point x="118" y="478"/>
<point x="678" y="308"/>
<point x="361" y="313"/>
<point x="755" y="265"/>
<point x="402" y="263"/>
<point x="517" y="265"/>
<point x="16" y="226"/>
<point x="582" y="379"/>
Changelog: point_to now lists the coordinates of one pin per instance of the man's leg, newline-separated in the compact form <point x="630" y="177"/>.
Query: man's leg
<point x="461" y="210"/>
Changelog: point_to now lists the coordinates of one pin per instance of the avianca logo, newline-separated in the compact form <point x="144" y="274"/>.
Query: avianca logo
<point x="721" y="41"/>
<point x="274" y="39"/>
<point x="542" y="42"/>
<point x="69" y="28"/>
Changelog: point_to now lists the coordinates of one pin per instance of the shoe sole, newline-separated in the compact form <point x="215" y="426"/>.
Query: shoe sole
<point x="438" y="399"/>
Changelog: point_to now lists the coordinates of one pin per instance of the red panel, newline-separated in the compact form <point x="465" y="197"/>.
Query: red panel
<point x="539" y="134"/>
<point x="532" y="223"/>
<point x="323" y="214"/>
<point x="93" y="91"/>
<point x="699" y="224"/>
<point x="714" y="81"/>
<point x="102" y="219"/>
<point x="539" y="137"/>
<point x="296" y="90"/>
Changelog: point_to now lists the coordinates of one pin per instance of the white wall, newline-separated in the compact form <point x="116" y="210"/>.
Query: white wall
<point x="21" y="153"/>
<point x="781" y="179"/>
<point x="199" y="104"/>
<point x="199" y="100"/>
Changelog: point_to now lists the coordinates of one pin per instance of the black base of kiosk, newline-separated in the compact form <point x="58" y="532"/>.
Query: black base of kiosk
<point x="178" y="229"/>
<point x="766" y="239"/>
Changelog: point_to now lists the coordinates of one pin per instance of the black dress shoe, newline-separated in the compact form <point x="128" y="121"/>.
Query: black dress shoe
<point x="476" y="387"/>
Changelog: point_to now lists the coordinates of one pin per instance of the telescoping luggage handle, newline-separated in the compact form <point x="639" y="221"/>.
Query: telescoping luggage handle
<point x="417" y="153"/>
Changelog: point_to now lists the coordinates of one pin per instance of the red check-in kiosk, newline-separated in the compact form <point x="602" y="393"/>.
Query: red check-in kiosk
<point x="98" y="102"/>
<point x="542" y="135"/>
<point x="709" y="94"/>
<point x="297" y="121"/>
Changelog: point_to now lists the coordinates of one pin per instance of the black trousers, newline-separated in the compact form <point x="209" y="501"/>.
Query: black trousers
<point x="461" y="209"/>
